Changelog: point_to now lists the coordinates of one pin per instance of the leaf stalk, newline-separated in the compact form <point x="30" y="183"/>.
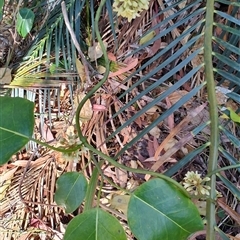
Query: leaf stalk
<point x="214" y="125"/>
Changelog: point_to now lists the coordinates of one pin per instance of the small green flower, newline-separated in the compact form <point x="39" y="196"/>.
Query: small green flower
<point x="130" y="8"/>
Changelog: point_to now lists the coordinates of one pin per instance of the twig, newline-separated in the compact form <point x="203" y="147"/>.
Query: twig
<point x="75" y="42"/>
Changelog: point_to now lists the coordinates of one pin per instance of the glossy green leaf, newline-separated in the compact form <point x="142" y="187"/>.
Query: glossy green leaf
<point x="16" y="125"/>
<point x="159" y="210"/>
<point x="71" y="189"/>
<point x="95" y="224"/>
<point x="25" y="19"/>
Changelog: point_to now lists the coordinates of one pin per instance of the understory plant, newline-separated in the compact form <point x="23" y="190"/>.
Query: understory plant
<point x="161" y="207"/>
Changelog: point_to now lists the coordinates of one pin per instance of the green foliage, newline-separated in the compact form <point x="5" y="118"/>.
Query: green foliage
<point x="158" y="202"/>
<point x="1" y="9"/>
<point x="25" y="19"/>
<point x="235" y="191"/>
<point x="159" y="210"/>
<point x="71" y="189"/>
<point x="16" y="125"/>
<point x="95" y="224"/>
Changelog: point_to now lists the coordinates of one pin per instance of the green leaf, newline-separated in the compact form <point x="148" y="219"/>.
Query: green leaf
<point x="147" y="37"/>
<point x="16" y="125"/>
<point x="71" y="189"/>
<point x="234" y="116"/>
<point x="1" y="9"/>
<point x="25" y="19"/>
<point x="159" y="210"/>
<point x="95" y="224"/>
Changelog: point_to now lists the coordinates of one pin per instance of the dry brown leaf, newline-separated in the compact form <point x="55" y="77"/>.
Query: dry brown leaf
<point x="176" y="96"/>
<point x="233" y="214"/>
<point x="98" y="107"/>
<point x="128" y="134"/>
<point x="130" y="65"/>
<point x="181" y="5"/>
<point x="140" y="121"/>
<point x="186" y="86"/>
<point x="179" y="127"/>
<point x="158" y="44"/>
<point x="20" y="163"/>
<point x="122" y="177"/>
<point x="112" y="57"/>
<point x="160" y="160"/>
<point x="86" y="111"/>
<point x="3" y="188"/>
<point x="81" y="70"/>
<point x="151" y="147"/>
<point x="165" y="157"/>
<point x="120" y="202"/>
<point x="46" y="133"/>
<point x="132" y="184"/>
<point x="5" y="75"/>
<point x="7" y="175"/>
<point x="25" y="236"/>
<point x="201" y="118"/>
<point x="155" y="132"/>
<point x="110" y="173"/>
<point x="5" y="181"/>
<point x="153" y="110"/>
<point x="152" y="159"/>
<point x="156" y="47"/>
<point x="37" y="224"/>
<point x="170" y="144"/>
<point x="133" y="164"/>
<point x="198" y="59"/>
<point x="151" y="115"/>
<point x="95" y="51"/>
<point x="232" y="105"/>
<point x="221" y="95"/>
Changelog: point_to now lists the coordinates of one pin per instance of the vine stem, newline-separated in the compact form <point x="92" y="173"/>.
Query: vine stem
<point x="59" y="149"/>
<point x="90" y="94"/>
<point x="214" y="126"/>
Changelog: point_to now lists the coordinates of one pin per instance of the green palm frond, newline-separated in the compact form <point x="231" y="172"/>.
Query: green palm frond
<point x="180" y="54"/>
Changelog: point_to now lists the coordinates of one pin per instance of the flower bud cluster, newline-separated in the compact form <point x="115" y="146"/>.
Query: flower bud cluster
<point x="68" y="140"/>
<point x="195" y="185"/>
<point x="130" y="8"/>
